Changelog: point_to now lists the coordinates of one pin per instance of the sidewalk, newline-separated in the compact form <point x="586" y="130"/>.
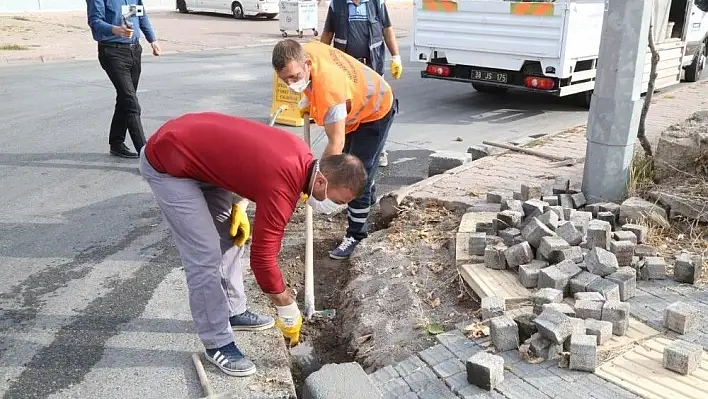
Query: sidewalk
<point x="504" y="172"/>
<point x="64" y="36"/>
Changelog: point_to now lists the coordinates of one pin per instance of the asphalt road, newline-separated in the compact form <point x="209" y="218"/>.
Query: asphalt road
<point x="92" y="301"/>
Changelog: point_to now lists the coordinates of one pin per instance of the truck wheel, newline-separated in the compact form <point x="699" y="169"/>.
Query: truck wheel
<point x="182" y="6"/>
<point x="693" y="71"/>
<point x="583" y="99"/>
<point x="482" y="88"/>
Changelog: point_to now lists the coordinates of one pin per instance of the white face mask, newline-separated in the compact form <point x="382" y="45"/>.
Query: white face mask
<point x="300" y="86"/>
<point x="326" y="206"/>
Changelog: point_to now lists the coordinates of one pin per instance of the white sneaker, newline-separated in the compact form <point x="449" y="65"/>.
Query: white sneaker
<point x="383" y="159"/>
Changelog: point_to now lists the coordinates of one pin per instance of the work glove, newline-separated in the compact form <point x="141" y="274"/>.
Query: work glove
<point x="240" y="228"/>
<point x="289" y="322"/>
<point x="396" y="67"/>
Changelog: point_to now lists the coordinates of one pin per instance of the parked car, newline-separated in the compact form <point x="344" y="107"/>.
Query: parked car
<point x="239" y="9"/>
<point x="696" y="41"/>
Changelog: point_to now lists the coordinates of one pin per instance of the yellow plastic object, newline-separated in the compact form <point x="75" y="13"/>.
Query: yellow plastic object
<point x="282" y="95"/>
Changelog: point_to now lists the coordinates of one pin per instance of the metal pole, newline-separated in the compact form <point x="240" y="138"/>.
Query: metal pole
<point x="309" y="267"/>
<point x="616" y="104"/>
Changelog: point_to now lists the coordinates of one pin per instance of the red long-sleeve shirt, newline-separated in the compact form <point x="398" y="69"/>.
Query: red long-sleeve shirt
<point x="261" y="163"/>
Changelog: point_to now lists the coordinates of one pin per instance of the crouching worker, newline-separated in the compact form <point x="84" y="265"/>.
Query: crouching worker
<point x="197" y="166"/>
<point x="355" y="106"/>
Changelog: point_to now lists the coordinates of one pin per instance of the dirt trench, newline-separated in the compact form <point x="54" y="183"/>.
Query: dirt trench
<point x="399" y="288"/>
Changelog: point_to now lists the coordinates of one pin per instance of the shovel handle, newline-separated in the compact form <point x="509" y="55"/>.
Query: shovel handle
<point x="202" y="375"/>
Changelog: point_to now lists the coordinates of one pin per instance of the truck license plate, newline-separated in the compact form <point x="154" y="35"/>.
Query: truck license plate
<point x="497" y="77"/>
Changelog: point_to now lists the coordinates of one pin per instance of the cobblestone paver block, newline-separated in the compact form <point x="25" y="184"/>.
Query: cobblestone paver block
<point x="504" y="333"/>
<point x="436" y="390"/>
<point x="551" y="246"/>
<point x="494" y="256"/>
<point x="554" y="325"/>
<point x="644" y="251"/>
<point x="616" y="313"/>
<point x="624" y="252"/>
<point x="607" y="288"/>
<point x="581" y="220"/>
<point x="531" y="192"/>
<point x="600" y="329"/>
<point x="562" y="307"/>
<point x="539" y="345"/>
<point x="478" y="242"/>
<point x="492" y="306"/>
<point x="569" y="268"/>
<point x="436" y="355"/>
<point x="639" y="231"/>
<point x="535" y="207"/>
<point x="682" y="357"/>
<point x="550" y="219"/>
<point x="623" y="235"/>
<point x="485" y="370"/>
<point x="589" y="296"/>
<point x="495" y="197"/>
<point x="688" y="268"/>
<point x="534" y="231"/>
<point x="528" y="273"/>
<point x="509" y="236"/>
<point x="580" y="282"/>
<point x="626" y="280"/>
<point x="546" y="295"/>
<point x="508" y="218"/>
<point x="598" y="234"/>
<point x="601" y="262"/>
<point x="583" y="352"/>
<point x="608" y="217"/>
<point x="579" y="200"/>
<point x="589" y="309"/>
<point x="553" y="277"/>
<point x="574" y="254"/>
<point x="519" y="254"/>
<point x="512" y="205"/>
<point x="681" y="317"/>
<point x="654" y="268"/>
<point x="448" y="368"/>
<point x="457" y="343"/>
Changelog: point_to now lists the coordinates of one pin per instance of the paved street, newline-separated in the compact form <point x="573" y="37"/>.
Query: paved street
<point x="82" y="246"/>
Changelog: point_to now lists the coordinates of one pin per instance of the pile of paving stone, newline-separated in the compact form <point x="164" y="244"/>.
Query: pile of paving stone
<point x="567" y="248"/>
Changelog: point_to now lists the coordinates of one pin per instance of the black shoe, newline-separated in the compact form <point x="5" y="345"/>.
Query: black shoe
<point x="123" y="151"/>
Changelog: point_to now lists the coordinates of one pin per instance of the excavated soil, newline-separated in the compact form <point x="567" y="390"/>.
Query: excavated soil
<point x="399" y="288"/>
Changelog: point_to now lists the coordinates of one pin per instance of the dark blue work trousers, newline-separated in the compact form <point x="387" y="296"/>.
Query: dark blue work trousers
<point x="366" y="143"/>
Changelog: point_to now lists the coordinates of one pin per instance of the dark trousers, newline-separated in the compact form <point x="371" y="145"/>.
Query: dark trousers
<point x="122" y="65"/>
<point x="366" y="143"/>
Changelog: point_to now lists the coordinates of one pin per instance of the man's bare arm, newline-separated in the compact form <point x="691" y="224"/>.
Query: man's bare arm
<point x="327" y="37"/>
<point x="390" y="39"/>
<point x="335" y="128"/>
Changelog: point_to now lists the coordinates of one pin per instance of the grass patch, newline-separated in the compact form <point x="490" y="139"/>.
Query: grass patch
<point x="13" y="47"/>
<point x="641" y="174"/>
<point x="539" y="142"/>
<point x="20" y="18"/>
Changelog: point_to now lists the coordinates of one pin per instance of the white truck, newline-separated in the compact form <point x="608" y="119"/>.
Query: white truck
<point x="547" y="47"/>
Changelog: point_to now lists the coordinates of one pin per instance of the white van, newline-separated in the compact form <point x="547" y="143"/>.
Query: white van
<point x="239" y="9"/>
<point x="696" y="41"/>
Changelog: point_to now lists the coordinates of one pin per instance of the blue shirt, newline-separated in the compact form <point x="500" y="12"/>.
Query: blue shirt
<point x="358" y="32"/>
<point x="104" y="14"/>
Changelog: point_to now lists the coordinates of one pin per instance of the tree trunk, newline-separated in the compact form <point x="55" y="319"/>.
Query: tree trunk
<point x="650" y="93"/>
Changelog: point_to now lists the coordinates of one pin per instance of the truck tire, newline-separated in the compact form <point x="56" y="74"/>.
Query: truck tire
<point x="583" y="99"/>
<point x="482" y="88"/>
<point x="182" y="6"/>
<point x="693" y="71"/>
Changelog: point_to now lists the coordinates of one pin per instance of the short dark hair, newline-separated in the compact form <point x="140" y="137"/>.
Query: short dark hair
<point x="344" y="170"/>
<point x="285" y="52"/>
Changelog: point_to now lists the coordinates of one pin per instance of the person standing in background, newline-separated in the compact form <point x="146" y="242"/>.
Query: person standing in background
<point x="360" y="28"/>
<point x="116" y="26"/>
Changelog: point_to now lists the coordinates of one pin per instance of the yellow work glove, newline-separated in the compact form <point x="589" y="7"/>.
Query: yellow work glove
<point x="289" y="322"/>
<point x="396" y="67"/>
<point x="240" y="228"/>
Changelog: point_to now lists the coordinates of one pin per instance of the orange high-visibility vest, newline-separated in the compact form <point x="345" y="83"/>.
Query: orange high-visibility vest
<point x="339" y="78"/>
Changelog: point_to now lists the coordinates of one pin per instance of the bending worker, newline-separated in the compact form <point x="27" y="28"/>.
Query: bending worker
<point x="355" y="106"/>
<point x="194" y="165"/>
<point x="360" y="28"/>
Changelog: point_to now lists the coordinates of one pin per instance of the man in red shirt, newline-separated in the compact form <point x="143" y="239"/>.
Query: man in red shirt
<point x="196" y="166"/>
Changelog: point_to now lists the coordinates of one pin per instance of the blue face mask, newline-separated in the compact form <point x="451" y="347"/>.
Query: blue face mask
<point x="325" y="206"/>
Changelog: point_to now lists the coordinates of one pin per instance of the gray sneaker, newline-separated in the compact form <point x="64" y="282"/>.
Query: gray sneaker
<point x="249" y="321"/>
<point x="230" y="360"/>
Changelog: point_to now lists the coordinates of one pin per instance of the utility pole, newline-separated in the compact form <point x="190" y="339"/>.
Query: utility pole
<point x="616" y="104"/>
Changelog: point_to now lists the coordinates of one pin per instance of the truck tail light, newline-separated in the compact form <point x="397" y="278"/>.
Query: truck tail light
<point x="438" y="70"/>
<point x="537" y="82"/>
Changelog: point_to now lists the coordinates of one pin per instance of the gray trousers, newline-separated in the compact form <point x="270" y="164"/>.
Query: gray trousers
<point x="199" y="216"/>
